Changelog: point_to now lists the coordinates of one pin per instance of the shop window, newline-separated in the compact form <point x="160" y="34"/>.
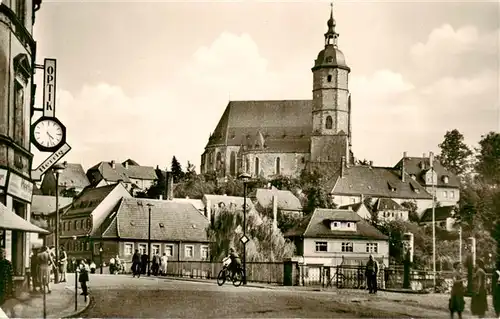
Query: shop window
<point x="19" y="113"/>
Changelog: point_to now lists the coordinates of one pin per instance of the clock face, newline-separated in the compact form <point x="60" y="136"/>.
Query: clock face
<point x="48" y="133"/>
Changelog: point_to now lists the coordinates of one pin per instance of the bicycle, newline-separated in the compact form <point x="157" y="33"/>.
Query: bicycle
<point x="227" y="274"/>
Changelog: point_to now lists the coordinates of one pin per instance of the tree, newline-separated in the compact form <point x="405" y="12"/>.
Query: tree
<point x="455" y="154"/>
<point x="190" y="171"/>
<point x="412" y="211"/>
<point x="266" y="243"/>
<point x="488" y="159"/>
<point x="176" y="169"/>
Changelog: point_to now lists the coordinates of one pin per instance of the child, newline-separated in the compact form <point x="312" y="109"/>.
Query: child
<point x="457" y="301"/>
<point x="83" y="278"/>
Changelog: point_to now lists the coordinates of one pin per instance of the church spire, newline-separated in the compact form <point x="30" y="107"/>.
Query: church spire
<point x="331" y="35"/>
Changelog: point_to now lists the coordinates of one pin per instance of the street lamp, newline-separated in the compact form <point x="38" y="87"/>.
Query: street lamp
<point x="244" y="177"/>
<point x="57" y="169"/>
<point x="100" y="256"/>
<point x="431" y="160"/>
<point x="149" y="238"/>
<point x="75" y="267"/>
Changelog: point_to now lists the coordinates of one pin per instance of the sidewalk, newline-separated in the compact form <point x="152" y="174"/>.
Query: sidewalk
<point x="60" y="303"/>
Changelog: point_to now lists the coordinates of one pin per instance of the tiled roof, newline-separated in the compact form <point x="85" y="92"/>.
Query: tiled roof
<point x="89" y="199"/>
<point x="197" y="203"/>
<point x="284" y="125"/>
<point x="227" y="201"/>
<point x="73" y="176"/>
<point x="413" y="166"/>
<point x="388" y="204"/>
<point x="119" y="172"/>
<point x="131" y="162"/>
<point x="377" y="182"/>
<point x="45" y="205"/>
<point x="169" y="221"/>
<point x="441" y="213"/>
<point x="353" y="207"/>
<point x="286" y="199"/>
<point x="316" y="226"/>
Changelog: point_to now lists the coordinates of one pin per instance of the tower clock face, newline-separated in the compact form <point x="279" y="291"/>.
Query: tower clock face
<point x="48" y="133"/>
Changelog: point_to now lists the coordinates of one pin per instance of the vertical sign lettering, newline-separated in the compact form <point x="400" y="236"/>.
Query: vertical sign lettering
<point x="49" y="88"/>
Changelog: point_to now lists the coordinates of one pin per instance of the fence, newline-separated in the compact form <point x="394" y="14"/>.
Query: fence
<point x="263" y="272"/>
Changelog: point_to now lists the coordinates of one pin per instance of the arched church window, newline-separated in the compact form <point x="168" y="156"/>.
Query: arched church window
<point x="257" y="166"/>
<point x="232" y="164"/>
<point x="329" y="122"/>
<point x="278" y="166"/>
<point x="247" y="165"/>
<point x="329" y="78"/>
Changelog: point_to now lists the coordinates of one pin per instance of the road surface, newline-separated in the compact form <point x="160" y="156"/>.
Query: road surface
<point x="126" y="297"/>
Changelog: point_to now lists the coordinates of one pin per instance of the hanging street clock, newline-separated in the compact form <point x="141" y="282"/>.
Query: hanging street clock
<point x="48" y="134"/>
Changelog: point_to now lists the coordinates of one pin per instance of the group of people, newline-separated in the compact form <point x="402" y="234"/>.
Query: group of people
<point x="140" y="264"/>
<point x="479" y="298"/>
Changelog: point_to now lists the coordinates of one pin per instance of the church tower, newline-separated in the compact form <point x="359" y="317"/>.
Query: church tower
<point x="331" y="107"/>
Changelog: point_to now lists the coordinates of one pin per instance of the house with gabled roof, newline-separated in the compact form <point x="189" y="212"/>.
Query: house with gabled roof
<point x="447" y="184"/>
<point x="330" y="237"/>
<point x="388" y="210"/>
<point x="177" y="229"/>
<point x="72" y="179"/>
<point x="360" y="209"/>
<point x="134" y="177"/>
<point x="355" y="183"/>
<point x="444" y="217"/>
<point x="214" y="203"/>
<point x="84" y="215"/>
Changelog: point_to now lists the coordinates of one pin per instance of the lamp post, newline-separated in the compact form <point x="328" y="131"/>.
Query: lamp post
<point x="75" y="267"/>
<point x="431" y="160"/>
<point x="149" y="238"/>
<point x="57" y="169"/>
<point x="244" y="177"/>
<point x="100" y="256"/>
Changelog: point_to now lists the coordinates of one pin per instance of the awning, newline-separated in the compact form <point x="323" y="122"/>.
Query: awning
<point x="10" y="221"/>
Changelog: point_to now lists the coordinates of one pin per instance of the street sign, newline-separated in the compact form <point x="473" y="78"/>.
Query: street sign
<point x="49" y="88"/>
<point x="244" y="239"/>
<point x="36" y="174"/>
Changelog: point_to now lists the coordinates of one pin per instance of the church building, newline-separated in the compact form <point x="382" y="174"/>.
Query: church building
<point x="270" y="138"/>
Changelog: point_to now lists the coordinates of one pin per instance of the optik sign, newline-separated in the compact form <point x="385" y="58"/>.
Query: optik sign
<point x="49" y="88"/>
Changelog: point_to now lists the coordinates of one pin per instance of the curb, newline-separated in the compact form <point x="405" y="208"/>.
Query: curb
<point x="402" y="291"/>
<point x="77" y="313"/>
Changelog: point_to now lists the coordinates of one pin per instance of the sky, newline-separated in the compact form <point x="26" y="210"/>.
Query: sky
<point x="150" y="80"/>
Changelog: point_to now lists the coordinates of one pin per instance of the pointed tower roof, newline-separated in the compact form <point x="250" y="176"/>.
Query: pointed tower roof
<point x="331" y="56"/>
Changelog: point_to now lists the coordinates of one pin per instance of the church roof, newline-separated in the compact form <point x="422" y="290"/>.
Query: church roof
<point x="284" y="125"/>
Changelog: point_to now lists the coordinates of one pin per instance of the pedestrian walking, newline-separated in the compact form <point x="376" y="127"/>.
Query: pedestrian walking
<point x="63" y="264"/>
<point x="45" y="265"/>
<point x="371" y="275"/>
<point x="479" y="302"/>
<point x="164" y="261"/>
<point x="496" y="291"/>
<point x="54" y="267"/>
<point x="83" y="278"/>
<point x="35" y="276"/>
<point x="144" y="263"/>
<point x="136" y="262"/>
<point x="156" y="264"/>
<point x="112" y="265"/>
<point x="6" y="279"/>
<point x="457" y="301"/>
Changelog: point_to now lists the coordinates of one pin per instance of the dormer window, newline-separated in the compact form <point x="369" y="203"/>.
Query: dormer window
<point x="413" y="176"/>
<point x="338" y="225"/>
<point x="446" y="179"/>
<point x="392" y="188"/>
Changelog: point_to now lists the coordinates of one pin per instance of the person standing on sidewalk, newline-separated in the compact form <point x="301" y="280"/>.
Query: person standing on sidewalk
<point x="6" y="278"/>
<point x="457" y="301"/>
<point x="63" y="264"/>
<point x="83" y="278"/>
<point x="45" y="264"/>
<point x="136" y="262"/>
<point x="479" y="301"/>
<point x="496" y="291"/>
<point x="371" y="275"/>
<point x="163" y="264"/>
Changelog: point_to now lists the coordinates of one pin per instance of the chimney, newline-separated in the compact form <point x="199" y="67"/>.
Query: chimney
<point x="275" y="212"/>
<point x="424" y="156"/>
<point x="161" y="197"/>
<point x="169" y="189"/>
<point x="371" y="163"/>
<point x="431" y="159"/>
<point x="403" y="168"/>
<point x="208" y="209"/>
<point x="113" y="166"/>
<point x="342" y="164"/>
<point x="126" y="165"/>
